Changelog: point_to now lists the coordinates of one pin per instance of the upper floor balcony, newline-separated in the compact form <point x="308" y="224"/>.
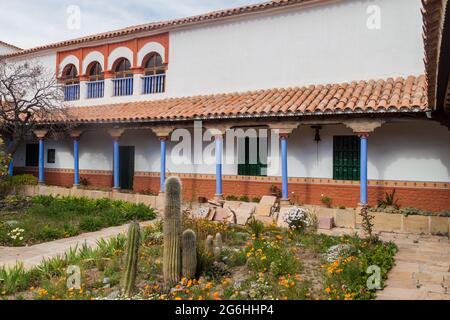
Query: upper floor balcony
<point x="72" y="92"/>
<point x="121" y="80"/>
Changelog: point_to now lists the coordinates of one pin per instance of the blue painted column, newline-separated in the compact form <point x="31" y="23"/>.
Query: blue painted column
<point x="284" y="169"/>
<point x="11" y="167"/>
<point x="41" y="161"/>
<point x="218" y="152"/>
<point x="162" y="172"/>
<point x="11" y="164"/>
<point x="76" y="162"/>
<point x="363" y="169"/>
<point x="116" y="163"/>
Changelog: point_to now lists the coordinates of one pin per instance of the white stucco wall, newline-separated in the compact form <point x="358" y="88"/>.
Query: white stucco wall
<point x="413" y="151"/>
<point x="322" y="44"/>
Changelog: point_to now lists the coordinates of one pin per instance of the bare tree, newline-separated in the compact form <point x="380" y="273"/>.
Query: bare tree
<point x="29" y="96"/>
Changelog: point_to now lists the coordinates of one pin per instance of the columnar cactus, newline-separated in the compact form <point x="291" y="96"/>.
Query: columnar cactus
<point x="209" y="245"/>
<point x="218" y="241"/>
<point x="172" y="231"/>
<point x="189" y="254"/>
<point x="133" y="242"/>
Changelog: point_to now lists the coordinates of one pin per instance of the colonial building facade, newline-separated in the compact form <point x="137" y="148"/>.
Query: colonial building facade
<point x="341" y="86"/>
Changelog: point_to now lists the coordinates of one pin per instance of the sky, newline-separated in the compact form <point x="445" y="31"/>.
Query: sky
<point x="30" y="23"/>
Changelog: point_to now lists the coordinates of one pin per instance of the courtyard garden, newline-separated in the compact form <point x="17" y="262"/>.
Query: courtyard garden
<point x="186" y="258"/>
<point x="32" y="220"/>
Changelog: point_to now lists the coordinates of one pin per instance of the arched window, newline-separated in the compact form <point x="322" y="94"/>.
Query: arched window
<point x="123" y="68"/>
<point x="70" y="74"/>
<point x="95" y="71"/>
<point x="153" y="64"/>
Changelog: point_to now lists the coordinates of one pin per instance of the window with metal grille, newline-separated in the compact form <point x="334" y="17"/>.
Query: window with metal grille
<point x="346" y="158"/>
<point x="253" y="165"/>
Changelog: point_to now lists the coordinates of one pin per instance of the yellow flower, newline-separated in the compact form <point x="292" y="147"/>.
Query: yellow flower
<point x="249" y="254"/>
<point x="178" y="298"/>
<point x="189" y="284"/>
<point x="200" y="298"/>
<point x="209" y="285"/>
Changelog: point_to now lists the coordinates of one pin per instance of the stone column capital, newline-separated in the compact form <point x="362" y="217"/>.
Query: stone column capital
<point x="163" y="131"/>
<point x="116" y="133"/>
<point x="364" y="126"/>
<point x="41" y="133"/>
<point x="75" y="133"/>
<point x="284" y="128"/>
<point x="217" y="129"/>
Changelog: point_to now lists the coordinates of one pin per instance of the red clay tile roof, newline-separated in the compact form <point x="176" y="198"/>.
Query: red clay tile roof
<point x="381" y="96"/>
<point x="171" y="24"/>
<point x="9" y="45"/>
<point x="433" y="13"/>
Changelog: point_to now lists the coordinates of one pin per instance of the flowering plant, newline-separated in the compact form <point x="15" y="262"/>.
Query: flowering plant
<point x="296" y="218"/>
<point x="16" y="236"/>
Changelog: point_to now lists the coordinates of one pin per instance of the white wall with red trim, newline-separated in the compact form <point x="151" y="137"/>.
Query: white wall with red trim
<point x="410" y="151"/>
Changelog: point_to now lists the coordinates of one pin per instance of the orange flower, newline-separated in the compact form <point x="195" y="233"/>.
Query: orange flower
<point x="328" y="290"/>
<point x="209" y="285"/>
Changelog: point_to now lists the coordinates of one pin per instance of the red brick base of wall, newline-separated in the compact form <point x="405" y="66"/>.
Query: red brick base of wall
<point x="432" y="199"/>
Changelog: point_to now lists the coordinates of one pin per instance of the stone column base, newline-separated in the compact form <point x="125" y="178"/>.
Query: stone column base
<point x="218" y="198"/>
<point x="285" y="203"/>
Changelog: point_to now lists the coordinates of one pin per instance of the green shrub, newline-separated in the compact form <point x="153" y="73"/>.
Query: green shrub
<point x="13" y="279"/>
<point x="113" y="217"/>
<point x="91" y="224"/>
<point x="49" y="233"/>
<point x="244" y="199"/>
<point x="23" y="180"/>
<point x="256" y="199"/>
<point x="231" y="198"/>
<point x="256" y="227"/>
<point x="327" y="201"/>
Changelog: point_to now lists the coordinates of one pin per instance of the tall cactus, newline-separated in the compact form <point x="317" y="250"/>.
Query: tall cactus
<point x="209" y="246"/>
<point x="172" y="231"/>
<point x="218" y="241"/>
<point x="189" y="254"/>
<point x="133" y="242"/>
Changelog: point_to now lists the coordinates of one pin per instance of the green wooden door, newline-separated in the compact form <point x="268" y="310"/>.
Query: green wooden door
<point x="250" y="167"/>
<point x="346" y="158"/>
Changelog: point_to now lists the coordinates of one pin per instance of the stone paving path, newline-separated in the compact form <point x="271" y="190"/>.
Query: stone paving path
<point x="32" y="256"/>
<point x="422" y="267"/>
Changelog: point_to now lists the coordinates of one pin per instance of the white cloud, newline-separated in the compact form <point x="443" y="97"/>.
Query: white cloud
<point x="29" y="23"/>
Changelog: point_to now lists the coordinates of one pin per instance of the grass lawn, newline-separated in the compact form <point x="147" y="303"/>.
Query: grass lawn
<point x="31" y="220"/>
<point x="256" y="262"/>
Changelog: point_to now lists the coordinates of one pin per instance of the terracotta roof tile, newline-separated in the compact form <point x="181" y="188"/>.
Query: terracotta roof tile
<point x="10" y="45"/>
<point x="399" y="95"/>
<point x="433" y="12"/>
